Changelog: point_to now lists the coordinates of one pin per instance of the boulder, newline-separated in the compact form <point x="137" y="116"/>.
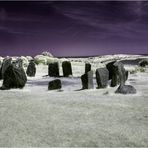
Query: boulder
<point x="143" y="63"/>
<point x="55" y="84"/>
<point x="102" y="77"/>
<point x="53" y="69"/>
<point x="6" y="63"/>
<point x="87" y="67"/>
<point x="14" y="77"/>
<point x="126" y="89"/>
<point x="67" y="70"/>
<point x="87" y="80"/>
<point x="31" y="69"/>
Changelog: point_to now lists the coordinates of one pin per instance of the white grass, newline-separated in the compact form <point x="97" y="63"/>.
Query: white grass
<point x="36" y="117"/>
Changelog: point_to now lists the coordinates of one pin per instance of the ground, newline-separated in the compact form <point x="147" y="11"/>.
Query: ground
<point x="37" y="117"/>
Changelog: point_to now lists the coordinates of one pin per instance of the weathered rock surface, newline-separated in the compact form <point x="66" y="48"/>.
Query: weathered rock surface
<point x="109" y="66"/>
<point x="87" y="67"/>
<point x="87" y="80"/>
<point x="67" y="69"/>
<point x="117" y="73"/>
<point x="14" y="77"/>
<point x="102" y="77"/>
<point x="126" y="89"/>
<point x="53" y="69"/>
<point x="6" y="63"/>
<point x="55" y="84"/>
<point x="31" y="69"/>
<point x="143" y="63"/>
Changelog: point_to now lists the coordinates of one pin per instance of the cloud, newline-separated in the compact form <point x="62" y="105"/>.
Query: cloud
<point x="110" y="19"/>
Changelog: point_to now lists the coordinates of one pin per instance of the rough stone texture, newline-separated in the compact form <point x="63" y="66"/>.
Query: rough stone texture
<point x="109" y="66"/>
<point x="67" y="70"/>
<point x="126" y="89"/>
<point x="120" y="72"/>
<point x="55" y="84"/>
<point x="14" y="77"/>
<point x="126" y="73"/>
<point x="143" y="62"/>
<point x="53" y="69"/>
<point x="1" y="72"/>
<point x="6" y="63"/>
<point x="19" y="63"/>
<point x="102" y="76"/>
<point x="117" y="73"/>
<point x="87" y="67"/>
<point x="31" y="69"/>
<point x="87" y="80"/>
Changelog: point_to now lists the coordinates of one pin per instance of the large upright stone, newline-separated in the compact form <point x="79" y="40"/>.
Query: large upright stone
<point x="14" y="77"/>
<point x="87" y="80"/>
<point x="117" y="73"/>
<point x="53" y="69"/>
<point x="6" y="63"/>
<point x="109" y="66"/>
<point x="87" y="67"/>
<point x="121" y="72"/>
<point x="55" y="84"/>
<point x="31" y="69"/>
<point x="67" y="70"/>
<point x="102" y="77"/>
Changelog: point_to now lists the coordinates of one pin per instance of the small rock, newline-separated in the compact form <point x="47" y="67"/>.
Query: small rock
<point x="126" y="89"/>
<point x="55" y="84"/>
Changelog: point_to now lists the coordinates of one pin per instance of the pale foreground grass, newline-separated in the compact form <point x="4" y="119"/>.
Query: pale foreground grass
<point x="36" y="117"/>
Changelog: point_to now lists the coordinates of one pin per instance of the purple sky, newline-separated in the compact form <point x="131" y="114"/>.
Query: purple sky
<point x="73" y="28"/>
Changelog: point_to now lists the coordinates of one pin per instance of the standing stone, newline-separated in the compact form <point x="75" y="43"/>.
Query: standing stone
<point x="102" y="77"/>
<point x="120" y="71"/>
<point x="1" y="72"/>
<point x="87" y="80"/>
<point x="87" y="67"/>
<point x="55" y="84"/>
<point x="14" y="77"/>
<point x="53" y="69"/>
<point x="126" y="89"/>
<point x="67" y="70"/>
<point x="109" y="66"/>
<point x="113" y="75"/>
<point x="31" y="69"/>
<point x="117" y="73"/>
<point x="6" y="63"/>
